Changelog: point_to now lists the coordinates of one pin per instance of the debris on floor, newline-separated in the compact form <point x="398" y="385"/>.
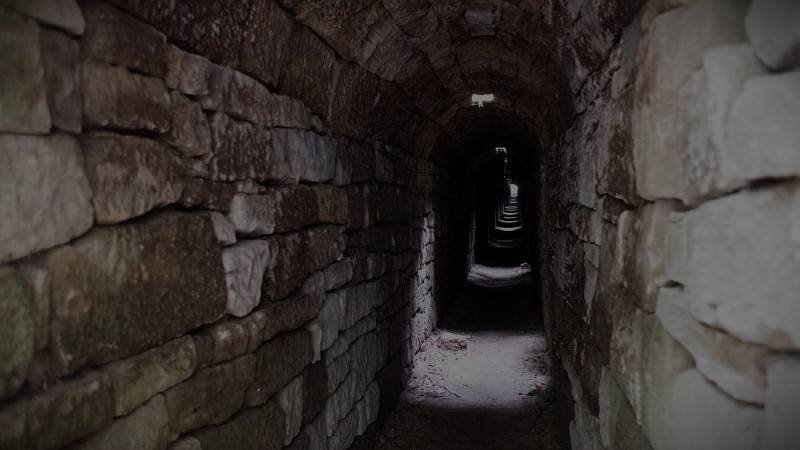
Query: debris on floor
<point x="452" y="341"/>
<point x="488" y="388"/>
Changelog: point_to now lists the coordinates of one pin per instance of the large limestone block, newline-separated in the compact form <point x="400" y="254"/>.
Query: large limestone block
<point x="130" y="176"/>
<point x="584" y="428"/>
<point x="355" y="162"/>
<point x="297" y="207"/>
<point x="315" y="390"/>
<point x="117" y="38"/>
<point x="244" y="271"/>
<point x="691" y="413"/>
<point x="783" y="405"/>
<point x="118" y="99"/>
<point x="615" y="169"/>
<point x="339" y="404"/>
<point x="356" y="94"/>
<point x="366" y="358"/>
<point x="672" y="51"/>
<point x="331" y="318"/>
<point x="62" y="414"/>
<point x="338" y="274"/>
<point x="290" y="399"/>
<point x="368" y="407"/>
<point x="345" y="433"/>
<point x="212" y="29"/>
<point x="726" y="68"/>
<point x="286" y="112"/>
<point x="259" y="428"/>
<point x="773" y="27"/>
<point x="736" y="259"/>
<point x="145" y="429"/>
<point x="210" y="397"/>
<point x="763" y="134"/>
<point x="279" y="210"/>
<point x="123" y="289"/>
<point x="252" y="214"/>
<point x="187" y="72"/>
<point x="359" y="300"/>
<point x="289" y="314"/>
<point x="307" y="74"/>
<point x="241" y="151"/>
<point x="16" y="331"/>
<point x="46" y="197"/>
<point x="189" y="130"/>
<point x="735" y="366"/>
<point x="415" y="17"/>
<point x="263" y="49"/>
<point x="60" y="13"/>
<point x="736" y="128"/>
<point x="336" y="371"/>
<point x="223" y="228"/>
<point x="640" y="251"/>
<point x="278" y="362"/>
<point x="643" y="356"/>
<point x="61" y="58"/>
<point x="361" y="205"/>
<point x="237" y="95"/>
<point x="229" y="339"/>
<point x="302" y="156"/>
<point x="23" y="100"/>
<point x="137" y="379"/>
<point x="618" y="426"/>
<point x="292" y="257"/>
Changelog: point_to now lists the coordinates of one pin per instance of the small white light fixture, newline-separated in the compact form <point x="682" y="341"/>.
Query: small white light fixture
<point x="501" y="150"/>
<point x="480" y="100"/>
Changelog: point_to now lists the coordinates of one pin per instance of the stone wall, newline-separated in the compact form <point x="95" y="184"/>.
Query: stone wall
<point x="215" y="235"/>
<point x="670" y="244"/>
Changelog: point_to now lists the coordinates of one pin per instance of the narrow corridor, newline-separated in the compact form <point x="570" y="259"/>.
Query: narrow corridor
<point x="483" y="380"/>
<point x="399" y="224"/>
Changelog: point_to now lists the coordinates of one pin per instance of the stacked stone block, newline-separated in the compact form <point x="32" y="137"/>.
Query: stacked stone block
<point x="204" y="244"/>
<point x="672" y="294"/>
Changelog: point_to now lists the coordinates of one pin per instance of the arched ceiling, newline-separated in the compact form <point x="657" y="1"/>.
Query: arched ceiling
<point x="531" y="54"/>
<point x="438" y="51"/>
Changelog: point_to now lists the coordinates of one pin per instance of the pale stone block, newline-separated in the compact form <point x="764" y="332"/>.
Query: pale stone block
<point x="223" y="228"/>
<point x="61" y="59"/>
<point x="773" y="27"/>
<point x="737" y="259"/>
<point x="23" y="95"/>
<point x="46" y="197"/>
<point x="60" y="13"/>
<point x="144" y="429"/>
<point x="763" y="131"/>
<point x="290" y="399"/>
<point x="673" y="51"/>
<point x="691" y="413"/>
<point x="130" y="176"/>
<point x="137" y="379"/>
<point x="16" y="331"/>
<point x="735" y="366"/>
<point x="253" y="215"/>
<point x="244" y="271"/>
<point x="783" y="405"/>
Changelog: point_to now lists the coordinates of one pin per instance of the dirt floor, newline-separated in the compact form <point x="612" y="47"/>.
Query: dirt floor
<point x="483" y="381"/>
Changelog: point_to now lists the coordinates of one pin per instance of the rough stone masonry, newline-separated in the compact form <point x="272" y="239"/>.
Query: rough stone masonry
<point x="231" y="225"/>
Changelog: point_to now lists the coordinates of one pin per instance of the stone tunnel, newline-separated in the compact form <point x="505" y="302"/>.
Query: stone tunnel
<point x="244" y="224"/>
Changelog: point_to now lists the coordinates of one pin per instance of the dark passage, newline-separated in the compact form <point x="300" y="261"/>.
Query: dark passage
<point x="483" y="380"/>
